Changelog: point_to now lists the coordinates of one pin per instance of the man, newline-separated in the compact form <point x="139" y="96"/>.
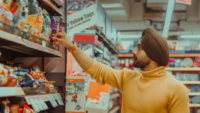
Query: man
<point x="152" y="90"/>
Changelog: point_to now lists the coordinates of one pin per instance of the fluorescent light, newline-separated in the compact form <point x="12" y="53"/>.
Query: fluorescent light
<point x="130" y="36"/>
<point x="113" y="5"/>
<point x="189" y="36"/>
<point x="168" y="18"/>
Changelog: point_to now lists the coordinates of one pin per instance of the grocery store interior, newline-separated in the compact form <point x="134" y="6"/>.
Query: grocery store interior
<point x="40" y="75"/>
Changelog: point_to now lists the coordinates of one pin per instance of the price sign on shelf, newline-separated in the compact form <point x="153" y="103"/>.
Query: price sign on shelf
<point x="53" y="51"/>
<point x="25" y="42"/>
<point x="29" y="44"/>
<point x="38" y="103"/>
<point x="51" y="100"/>
<point x="60" y="102"/>
<point x="43" y="103"/>
<point x="17" y="39"/>
<point x="3" y="34"/>
<point x="27" y="100"/>
<point x="34" y="45"/>
<point x="35" y="107"/>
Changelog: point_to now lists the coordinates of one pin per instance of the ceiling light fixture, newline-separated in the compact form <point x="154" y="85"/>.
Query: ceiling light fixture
<point x="113" y="5"/>
<point x="189" y="36"/>
<point x="130" y="36"/>
<point x="168" y="17"/>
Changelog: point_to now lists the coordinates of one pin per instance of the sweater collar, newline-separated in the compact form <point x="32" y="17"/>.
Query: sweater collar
<point x="158" y="72"/>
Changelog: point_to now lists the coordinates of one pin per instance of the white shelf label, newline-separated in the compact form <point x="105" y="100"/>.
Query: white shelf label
<point x="43" y="103"/>
<point x="4" y="34"/>
<point x="27" y="100"/>
<point x="52" y="101"/>
<point x="38" y="104"/>
<point x="38" y="46"/>
<point x="17" y="39"/>
<point x="60" y="102"/>
<point x="29" y="44"/>
<point x="35" y="107"/>
<point x="25" y="42"/>
<point x="34" y="45"/>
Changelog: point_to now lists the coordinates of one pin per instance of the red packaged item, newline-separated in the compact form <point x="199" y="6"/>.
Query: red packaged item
<point x="14" y="108"/>
<point x="5" y="18"/>
<point x="14" y="7"/>
<point x="27" y="109"/>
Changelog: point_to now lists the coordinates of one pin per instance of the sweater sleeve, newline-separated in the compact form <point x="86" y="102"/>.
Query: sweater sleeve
<point x="178" y="98"/>
<point x="106" y="75"/>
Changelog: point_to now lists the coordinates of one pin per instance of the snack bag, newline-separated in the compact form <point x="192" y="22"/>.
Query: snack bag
<point x="27" y="109"/>
<point x="46" y="28"/>
<point x="31" y="19"/>
<point x="19" y="18"/>
<point x="37" y="27"/>
<point x="38" y="23"/>
<point x="5" y="18"/>
<point x="54" y="28"/>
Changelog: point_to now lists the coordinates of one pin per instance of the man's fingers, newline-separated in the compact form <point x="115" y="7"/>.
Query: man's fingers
<point x="56" y="39"/>
<point x="58" y="34"/>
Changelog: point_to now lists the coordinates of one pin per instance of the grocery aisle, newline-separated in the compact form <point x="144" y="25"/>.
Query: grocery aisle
<point x="40" y="75"/>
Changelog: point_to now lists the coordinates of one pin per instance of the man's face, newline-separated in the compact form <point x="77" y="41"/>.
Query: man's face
<point x="140" y="57"/>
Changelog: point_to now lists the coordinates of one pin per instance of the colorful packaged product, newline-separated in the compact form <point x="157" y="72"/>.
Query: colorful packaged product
<point x="27" y="109"/>
<point x="4" y="106"/>
<point x="30" y="83"/>
<point x="37" y="27"/>
<point x="75" y="96"/>
<point x="20" y="17"/>
<point x="6" y="18"/>
<point x="55" y="28"/>
<point x="14" y="108"/>
<point x="31" y="19"/>
<point x="46" y="28"/>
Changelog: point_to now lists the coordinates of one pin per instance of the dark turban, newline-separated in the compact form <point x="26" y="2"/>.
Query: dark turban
<point x="155" y="46"/>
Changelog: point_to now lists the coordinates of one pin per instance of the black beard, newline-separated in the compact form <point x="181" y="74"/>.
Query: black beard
<point x="140" y="64"/>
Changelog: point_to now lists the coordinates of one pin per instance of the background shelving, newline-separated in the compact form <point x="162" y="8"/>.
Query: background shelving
<point x="194" y="94"/>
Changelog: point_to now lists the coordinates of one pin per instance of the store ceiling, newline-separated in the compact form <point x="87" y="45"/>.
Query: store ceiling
<point x="133" y="16"/>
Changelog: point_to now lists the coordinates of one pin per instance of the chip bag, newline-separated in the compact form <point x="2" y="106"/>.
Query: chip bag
<point x="31" y="19"/>
<point x="46" y="28"/>
<point x="5" y="18"/>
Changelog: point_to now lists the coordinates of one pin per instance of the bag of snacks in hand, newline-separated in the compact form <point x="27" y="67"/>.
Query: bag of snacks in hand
<point x="54" y="28"/>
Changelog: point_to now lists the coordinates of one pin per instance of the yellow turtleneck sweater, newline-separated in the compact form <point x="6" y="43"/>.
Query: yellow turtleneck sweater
<point x="153" y="91"/>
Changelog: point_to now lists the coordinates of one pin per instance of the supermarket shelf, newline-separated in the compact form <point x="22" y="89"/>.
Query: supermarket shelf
<point x="18" y="47"/>
<point x="106" y="42"/>
<point x="114" y="96"/>
<point x="51" y="8"/>
<point x="194" y="94"/>
<point x="184" y="55"/>
<point x="190" y="82"/>
<point x="99" y="50"/>
<point x="125" y="55"/>
<point x="114" y="110"/>
<point x="194" y="105"/>
<point x="105" y="59"/>
<point x="182" y="69"/>
<point x="11" y="92"/>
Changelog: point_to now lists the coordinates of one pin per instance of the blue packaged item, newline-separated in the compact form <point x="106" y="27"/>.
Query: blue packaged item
<point x="30" y="83"/>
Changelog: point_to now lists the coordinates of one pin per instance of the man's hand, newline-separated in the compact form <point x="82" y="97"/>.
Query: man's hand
<point x="62" y="38"/>
<point x="83" y="59"/>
